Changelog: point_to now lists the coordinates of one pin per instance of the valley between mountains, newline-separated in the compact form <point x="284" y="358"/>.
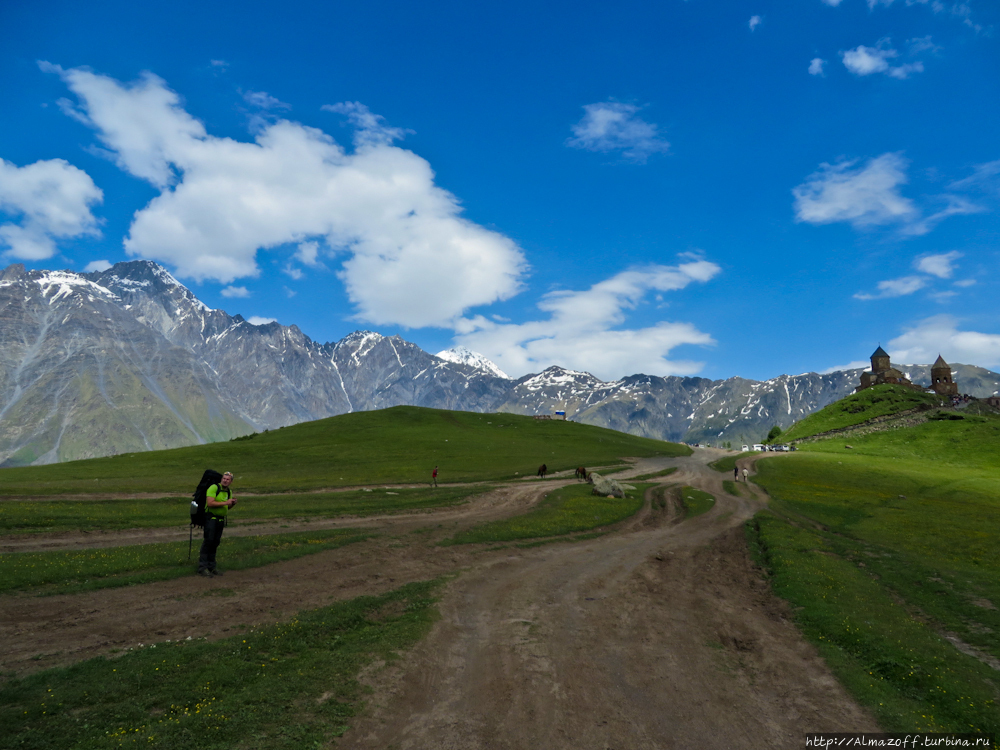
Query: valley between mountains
<point x="659" y="634"/>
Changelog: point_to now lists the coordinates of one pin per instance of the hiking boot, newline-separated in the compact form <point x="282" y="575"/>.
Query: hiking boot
<point x="216" y="572"/>
<point x="205" y="573"/>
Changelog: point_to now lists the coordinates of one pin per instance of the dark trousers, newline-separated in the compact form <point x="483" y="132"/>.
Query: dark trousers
<point x="213" y="535"/>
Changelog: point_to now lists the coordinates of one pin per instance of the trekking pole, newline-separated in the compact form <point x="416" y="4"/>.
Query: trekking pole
<point x="190" y="541"/>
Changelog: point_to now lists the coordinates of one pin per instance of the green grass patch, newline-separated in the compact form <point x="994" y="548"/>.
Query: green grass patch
<point x="972" y="442"/>
<point x="877" y="401"/>
<point x="400" y="445"/>
<point x="90" y="515"/>
<point x="696" y="501"/>
<point x="563" y="511"/>
<point x="109" y="567"/>
<point x="733" y="488"/>
<point x="726" y="464"/>
<point x="896" y="664"/>
<point x="654" y="475"/>
<point x="885" y="555"/>
<point x="291" y="685"/>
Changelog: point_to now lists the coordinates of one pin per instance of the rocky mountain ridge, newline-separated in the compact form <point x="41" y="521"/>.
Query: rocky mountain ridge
<point x="128" y="359"/>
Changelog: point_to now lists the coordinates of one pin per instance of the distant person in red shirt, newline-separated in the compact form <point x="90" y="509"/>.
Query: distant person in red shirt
<point x="434" y="476"/>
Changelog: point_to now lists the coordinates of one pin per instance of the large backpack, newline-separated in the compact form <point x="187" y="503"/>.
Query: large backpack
<point x="209" y="478"/>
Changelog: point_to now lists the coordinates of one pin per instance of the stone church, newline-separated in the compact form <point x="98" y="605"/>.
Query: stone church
<point x="882" y="371"/>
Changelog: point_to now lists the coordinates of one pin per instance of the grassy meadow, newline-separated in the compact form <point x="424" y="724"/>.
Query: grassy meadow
<point x="291" y="685"/>
<point x="294" y="684"/>
<point x="60" y="572"/>
<point x="565" y="510"/>
<point x="400" y="445"/>
<point x="696" y="501"/>
<point x="877" y="401"/>
<point x="52" y="515"/>
<point x="887" y="551"/>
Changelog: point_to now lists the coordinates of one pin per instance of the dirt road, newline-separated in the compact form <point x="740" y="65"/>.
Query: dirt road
<point x="659" y="635"/>
<point x="662" y="636"/>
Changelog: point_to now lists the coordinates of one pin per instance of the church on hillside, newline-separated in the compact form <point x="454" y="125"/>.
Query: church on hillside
<point x="942" y="382"/>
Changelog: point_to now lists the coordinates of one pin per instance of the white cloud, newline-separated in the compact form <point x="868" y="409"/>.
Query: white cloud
<point x="864" y="61"/>
<point x="943" y="296"/>
<point x="307" y="253"/>
<point x="816" y="66"/>
<point x="982" y="175"/>
<point x="264" y="100"/>
<point x="755" y="21"/>
<point x="369" y="128"/>
<point x="869" y="195"/>
<point x="856" y="365"/>
<point x="295" y="273"/>
<point x="256" y="320"/>
<point x="939" y="334"/>
<point x="832" y="3"/>
<point x="954" y="206"/>
<point x="965" y="283"/>
<point x="46" y="201"/>
<point x="235" y="291"/>
<point x="862" y="195"/>
<point x="922" y="44"/>
<point x="411" y="259"/>
<point x="895" y="288"/>
<point x="903" y="71"/>
<point x="96" y="265"/>
<point x="941" y="265"/>
<point x="614" y="126"/>
<point x="581" y="331"/>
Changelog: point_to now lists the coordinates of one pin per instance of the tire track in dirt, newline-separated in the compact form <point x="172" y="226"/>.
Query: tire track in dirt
<point x="498" y="503"/>
<point x="38" y="632"/>
<point x="662" y="637"/>
<point x="660" y="634"/>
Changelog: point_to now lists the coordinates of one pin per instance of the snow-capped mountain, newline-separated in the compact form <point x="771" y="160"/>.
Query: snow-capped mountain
<point x="128" y="359"/>
<point x="463" y="356"/>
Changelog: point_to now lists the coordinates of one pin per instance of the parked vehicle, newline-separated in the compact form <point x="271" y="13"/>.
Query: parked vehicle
<point x="746" y="448"/>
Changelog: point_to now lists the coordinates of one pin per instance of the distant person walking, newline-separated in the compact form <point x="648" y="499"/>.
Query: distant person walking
<point x="745" y="475"/>
<point x="434" y="476"/>
<point x="219" y="501"/>
<point x="736" y="473"/>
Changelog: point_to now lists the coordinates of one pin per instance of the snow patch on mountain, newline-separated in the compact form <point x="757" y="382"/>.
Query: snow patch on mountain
<point x="64" y="282"/>
<point x="463" y="356"/>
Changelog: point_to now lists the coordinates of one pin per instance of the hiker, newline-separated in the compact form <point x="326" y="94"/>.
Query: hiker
<point x="542" y="470"/>
<point x="218" y="502"/>
<point x="736" y="473"/>
<point x="434" y="476"/>
<point x="745" y="475"/>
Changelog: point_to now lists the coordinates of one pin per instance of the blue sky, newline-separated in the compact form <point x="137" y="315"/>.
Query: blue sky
<point x="693" y="188"/>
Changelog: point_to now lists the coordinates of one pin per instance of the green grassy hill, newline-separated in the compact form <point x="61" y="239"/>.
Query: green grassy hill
<point x="877" y="401"/>
<point x="887" y="550"/>
<point x="397" y="445"/>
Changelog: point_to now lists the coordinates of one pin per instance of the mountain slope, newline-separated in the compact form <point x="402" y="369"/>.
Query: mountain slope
<point x="81" y="377"/>
<point x="128" y="359"/>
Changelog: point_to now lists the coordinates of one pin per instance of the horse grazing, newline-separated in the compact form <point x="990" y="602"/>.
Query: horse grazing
<point x="543" y="470"/>
<point x="581" y="473"/>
